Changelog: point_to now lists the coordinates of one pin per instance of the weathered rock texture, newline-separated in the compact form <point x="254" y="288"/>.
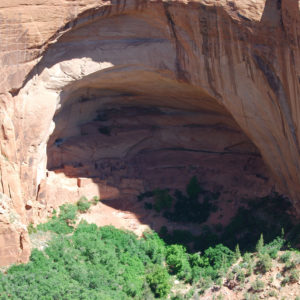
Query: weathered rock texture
<point x="228" y="71"/>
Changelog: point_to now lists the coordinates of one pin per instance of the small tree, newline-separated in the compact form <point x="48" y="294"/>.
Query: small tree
<point x="68" y="213"/>
<point x="83" y="204"/>
<point x="193" y="188"/>
<point x="162" y="200"/>
<point x="237" y="252"/>
<point x="260" y="244"/>
<point x="159" y="281"/>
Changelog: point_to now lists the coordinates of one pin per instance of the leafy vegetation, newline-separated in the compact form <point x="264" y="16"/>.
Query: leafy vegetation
<point x="162" y="200"/>
<point x="195" y="206"/>
<point x="87" y="262"/>
<point x="83" y="204"/>
<point x="264" y="218"/>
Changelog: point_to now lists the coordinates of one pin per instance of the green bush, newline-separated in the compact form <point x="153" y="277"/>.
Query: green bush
<point x="177" y="261"/>
<point x="237" y="252"/>
<point x="264" y="263"/>
<point x="63" y="224"/>
<point x="273" y="247"/>
<point x="93" y="263"/>
<point x="219" y="256"/>
<point x="56" y="225"/>
<point x="285" y="257"/>
<point x="68" y="213"/>
<point x="83" y="204"/>
<point x="193" y="188"/>
<point x="267" y="216"/>
<point x="162" y="200"/>
<point x="272" y="293"/>
<point x="260" y="244"/>
<point x="31" y="229"/>
<point x="251" y="296"/>
<point x="258" y="285"/>
<point x="294" y="276"/>
<point x="159" y="281"/>
<point x="95" y="200"/>
<point x="187" y="208"/>
<point x="241" y="276"/>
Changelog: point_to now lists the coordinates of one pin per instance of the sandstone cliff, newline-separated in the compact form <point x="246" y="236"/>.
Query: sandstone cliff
<point x="235" y="62"/>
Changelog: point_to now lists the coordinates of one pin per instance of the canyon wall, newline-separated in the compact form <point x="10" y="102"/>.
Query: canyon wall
<point x="238" y="60"/>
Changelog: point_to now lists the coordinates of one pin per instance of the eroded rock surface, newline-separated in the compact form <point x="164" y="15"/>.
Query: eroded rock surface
<point x="13" y="234"/>
<point x="206" y="84"/>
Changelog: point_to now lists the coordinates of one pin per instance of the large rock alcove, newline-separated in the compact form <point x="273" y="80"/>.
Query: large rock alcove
<point x="117" y="98"/>
<point x="126" y="120"/>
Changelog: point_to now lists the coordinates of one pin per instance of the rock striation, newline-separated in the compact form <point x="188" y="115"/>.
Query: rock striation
<point x="90" y="85"/>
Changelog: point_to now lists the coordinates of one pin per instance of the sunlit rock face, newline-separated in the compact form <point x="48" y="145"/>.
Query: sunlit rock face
<point x="115" y="98"/>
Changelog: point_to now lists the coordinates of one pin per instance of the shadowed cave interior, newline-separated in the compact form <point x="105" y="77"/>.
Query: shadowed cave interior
<point x="136" y="140"/>
<point x="131" y="127"/>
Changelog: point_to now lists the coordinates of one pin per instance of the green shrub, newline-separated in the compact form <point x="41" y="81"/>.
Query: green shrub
<point x="177" y="261"/>
<point x="237" y="252"/>
<point x="193" y="188"/>
<point x="273" y="247"/>
<point x="219" y="256"/>
<point x="68" y="213"/>
<point x="230" y="275"/>
<point x="178" y="297"/>
<point x="285" y="257"/>
<point x="260" y="244"/>
<point x="294" y="276"/>
<point x="31" y="229"/>
<point x="251" y="296"/>
<point x="95" y="200"/>
<point x="56" y="225"/>
<point x="240" y="276"/>
<point x="272" y="293"/>
<point x="204" y="284"/>
<point x="83" y="204"/>
<point x="264" y="263"/>
<point x="258" y="285"/>
<point x="162" y="200"/>
<point x="63" y="224"/>
<point x="290" y="265"/>
<point x="285" y="280"/>
<point x="159" y="281"/>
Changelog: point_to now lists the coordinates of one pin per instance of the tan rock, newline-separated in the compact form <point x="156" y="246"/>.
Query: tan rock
<point x="14" y="241"/>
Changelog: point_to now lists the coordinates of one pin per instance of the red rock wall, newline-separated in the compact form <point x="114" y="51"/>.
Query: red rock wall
<point x="243" y="53"/>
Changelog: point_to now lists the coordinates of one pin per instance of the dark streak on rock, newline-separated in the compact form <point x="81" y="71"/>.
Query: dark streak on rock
<point x="279" y="4"/>
<point x="205" y="49"/>
<point x="276" y="86"/>
<point x="271" y="77"/>
<point x="182" y="75"/>
<point x="21" y="241"/>
<point x="243" y="17"/>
